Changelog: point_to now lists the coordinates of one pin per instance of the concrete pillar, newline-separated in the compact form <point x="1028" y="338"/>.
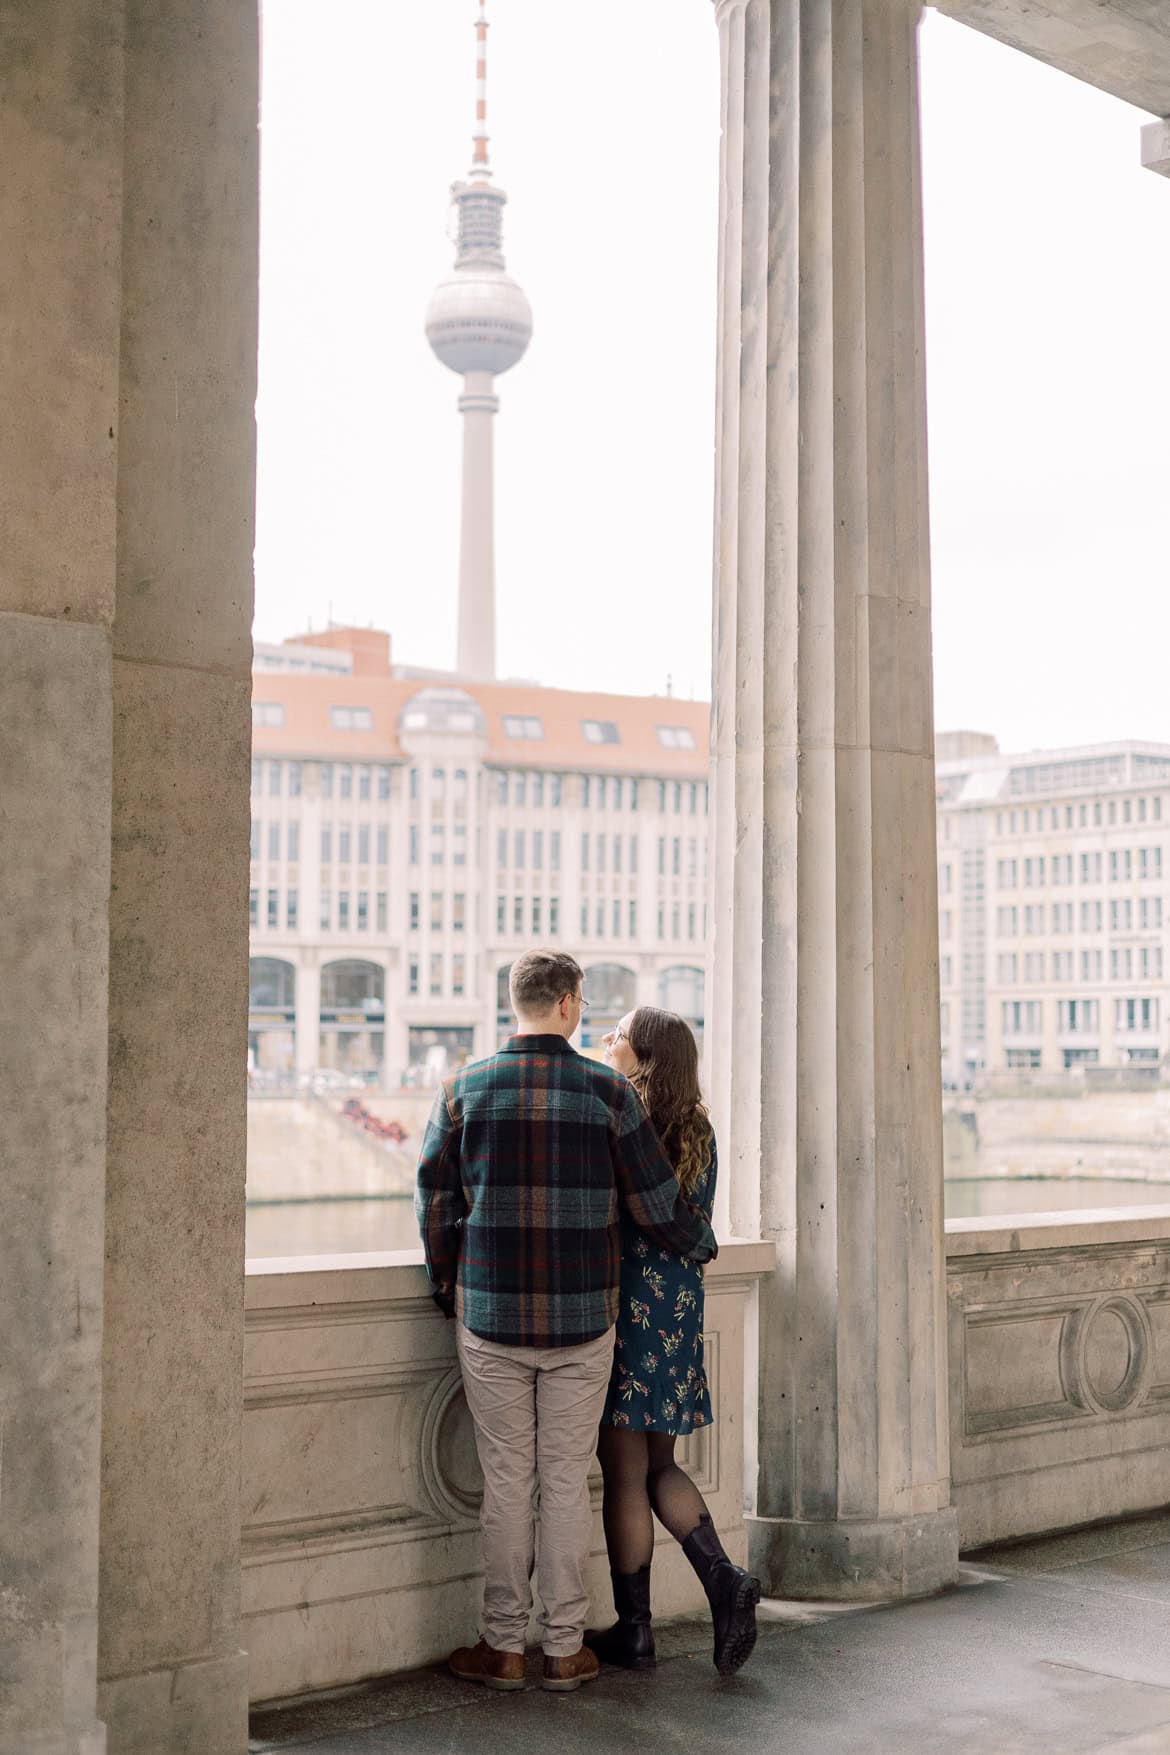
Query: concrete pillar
<point x="477" y="546"/>
<point x="174" y="1674"/>
<point x="824" y="959"/>
<point x="308" y="1036"/>
<point x="61" y="144"/>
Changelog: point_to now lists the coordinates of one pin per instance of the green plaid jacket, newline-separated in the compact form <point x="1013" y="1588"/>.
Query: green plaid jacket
<point x="528" y="1160"/>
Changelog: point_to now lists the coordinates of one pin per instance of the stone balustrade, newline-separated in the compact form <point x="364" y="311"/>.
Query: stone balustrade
<point x="361" y="1547"/>
<point x="1059" y="1350"/>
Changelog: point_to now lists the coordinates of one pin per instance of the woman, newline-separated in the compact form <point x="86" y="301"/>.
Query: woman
<point x="659" y="1390"/>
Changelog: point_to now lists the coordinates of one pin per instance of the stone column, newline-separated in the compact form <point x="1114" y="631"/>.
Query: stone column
<point x="61" y="145"/>
<point x="174" y="1676"/>
<point x="824" y="955"/>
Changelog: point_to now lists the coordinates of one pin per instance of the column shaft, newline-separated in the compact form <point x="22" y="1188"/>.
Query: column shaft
<point x="61" y="144"/>
<point x="174" y="1677"/>
<point x="825" y="901"/>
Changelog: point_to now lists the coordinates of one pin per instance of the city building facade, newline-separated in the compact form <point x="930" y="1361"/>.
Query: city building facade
<point x="410" y="835"/>
<point x="1052" y="917"/>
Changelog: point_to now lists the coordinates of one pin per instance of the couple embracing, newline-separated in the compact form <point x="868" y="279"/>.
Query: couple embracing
<point x="565" y="1209"/>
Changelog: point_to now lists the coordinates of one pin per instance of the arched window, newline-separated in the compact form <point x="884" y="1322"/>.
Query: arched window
<point x="680" y="990"/>
<point x="609" y="988"/>
<point x="272" y="985"/>
<point x="352" y="984"/>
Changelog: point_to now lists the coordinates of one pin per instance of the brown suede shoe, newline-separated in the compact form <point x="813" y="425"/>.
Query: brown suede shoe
<point x="481" y="1663"/>
<point x="563" y="1674"/>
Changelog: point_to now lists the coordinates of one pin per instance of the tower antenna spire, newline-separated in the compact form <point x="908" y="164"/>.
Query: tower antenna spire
<point x="480" y="166"/>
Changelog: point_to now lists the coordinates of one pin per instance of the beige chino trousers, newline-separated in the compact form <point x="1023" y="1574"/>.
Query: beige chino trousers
<point x="536" y="1412"/>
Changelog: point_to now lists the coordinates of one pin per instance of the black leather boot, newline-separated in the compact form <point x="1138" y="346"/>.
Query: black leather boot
<point x="630" y="1641"/>
<point x="731" y="1592"/>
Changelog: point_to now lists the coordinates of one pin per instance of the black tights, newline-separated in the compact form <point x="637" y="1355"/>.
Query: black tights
<point x="641" y="1477"/>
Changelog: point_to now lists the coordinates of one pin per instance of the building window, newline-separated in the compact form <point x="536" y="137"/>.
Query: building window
<point x="501" y="914"/>
<point x="267" y="713"/>
<point x="678" y="797"/>
<point x="414" y="910"/>
<point x="538" y="789"/>
<point x="325" y="915"/>
<point x="257" y="771"/>
<point x="343" y="910"/>
<point x="1006" y="922"/>
<point x="1078" y="1016"/>
<point x="661" y="921"/>
<point x="662" y="796"/>
<point x="518" y="914"/>
<point x="294" y="779"/>
<point x="600" y="919"/>
<point x="274" y="909"/>
<point x="601" y="852"/>
<point x="520" y="788"/>
<point x="690" y="920"/>
<point x="554" y="850"/>
<point x="585" y="791"/>
<point x="460" y="854"/>
<point x="584" y="852"/>
<point x="674" y="921"/>
<point x="676" y="856"/>
<point x="600" y="731"/>
<point x="633" y="855"/>
<point x="523" y="725"/>
<point x="363" y="843"/>
<point x="345" y="783"/>
<point x="275" y="772"/>
<point x="518" y="850"/>
<point x="501" y="789"/>
<point x="351" y="718"/>
<point x="554" y="915"/>
<point x="255" y="837"/>
<point x="458" y="974"/>
<point x="363" y="911"/>
<point x="459" y="911"/>
<point x="1023" y="1017"/>
<point x="584" y="920"/>
<point x="253" y="907"/>
<point x="326" y="774"/>
<point x="537" y="850"/>
<point x="274" y="841"/>
<point x="436" y="974"/>
<point x="617" y="918"/>
<point x="293" y="843"/>
<point x="383" y="784"/>
<point x="383" y="843"/>
<point x="1006" y="969"/>
<point x="412" y="976"/>
<point x="633" y="795"/>
<point x="554" y="790"/>
<point x="633" y="919"/>
<point x="383" y="922"/>
<point x="363" y="783"/>
<point x="501" y="848"/>
<point x="436" y="910"/>
<point x="414" y="843"/>
<point x="676" y="737"/>
<point x="536" y="916"/>
<point x="617" y="853"/>
<point x="344" y="844"/>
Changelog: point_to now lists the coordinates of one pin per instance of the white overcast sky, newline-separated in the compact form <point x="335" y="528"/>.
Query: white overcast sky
<point x="1048" y="264"/>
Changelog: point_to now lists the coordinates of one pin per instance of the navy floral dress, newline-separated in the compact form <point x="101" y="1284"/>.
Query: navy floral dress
<point x="658" y="1382"/>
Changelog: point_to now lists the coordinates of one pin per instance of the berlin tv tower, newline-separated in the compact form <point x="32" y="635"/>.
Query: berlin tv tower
<point x="479" y="323"/>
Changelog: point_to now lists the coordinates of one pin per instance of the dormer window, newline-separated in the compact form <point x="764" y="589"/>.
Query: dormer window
<point x="676" y="737"/>
<point x="351" y="718"/>
<point x="523" y="725"/>
<point x="600" y="731"/>
<point x="267" y="713"/>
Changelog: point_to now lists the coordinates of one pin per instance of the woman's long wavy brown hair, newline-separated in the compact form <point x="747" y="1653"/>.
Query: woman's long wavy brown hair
<point x="667" y="1080"/>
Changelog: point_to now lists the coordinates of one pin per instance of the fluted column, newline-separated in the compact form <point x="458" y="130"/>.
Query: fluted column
<point x="477" y="546"/>
<point x="824" y="972"/>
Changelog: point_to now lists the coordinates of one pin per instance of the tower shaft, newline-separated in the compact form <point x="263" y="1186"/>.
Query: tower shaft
<point x="476" y="649"/>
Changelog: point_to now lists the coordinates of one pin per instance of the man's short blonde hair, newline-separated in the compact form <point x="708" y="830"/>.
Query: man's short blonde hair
<point x="539" y="980"/>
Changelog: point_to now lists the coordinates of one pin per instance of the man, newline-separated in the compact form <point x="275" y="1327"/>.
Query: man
<point x="526" y="1158"/>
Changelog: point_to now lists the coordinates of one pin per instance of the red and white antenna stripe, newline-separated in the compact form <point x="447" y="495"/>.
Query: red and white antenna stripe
<point x="479" y="157"/>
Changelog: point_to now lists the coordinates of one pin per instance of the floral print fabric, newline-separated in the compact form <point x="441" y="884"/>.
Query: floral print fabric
<point x="658" y="1382"/>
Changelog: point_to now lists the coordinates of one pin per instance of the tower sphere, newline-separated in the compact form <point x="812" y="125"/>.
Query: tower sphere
<point x="479" y="320"/>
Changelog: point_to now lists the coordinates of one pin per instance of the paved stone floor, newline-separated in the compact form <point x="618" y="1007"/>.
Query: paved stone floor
<point x="1060" y="1647"/>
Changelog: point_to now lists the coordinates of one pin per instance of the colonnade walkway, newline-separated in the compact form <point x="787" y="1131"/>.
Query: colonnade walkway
<point x="1055" y="1647"/>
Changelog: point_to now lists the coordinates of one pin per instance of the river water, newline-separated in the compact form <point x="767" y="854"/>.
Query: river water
<point x="346" y="1227"/>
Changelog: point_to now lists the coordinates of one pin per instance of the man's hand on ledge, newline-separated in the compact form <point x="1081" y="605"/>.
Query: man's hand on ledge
<point x="444" y="1297"/>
